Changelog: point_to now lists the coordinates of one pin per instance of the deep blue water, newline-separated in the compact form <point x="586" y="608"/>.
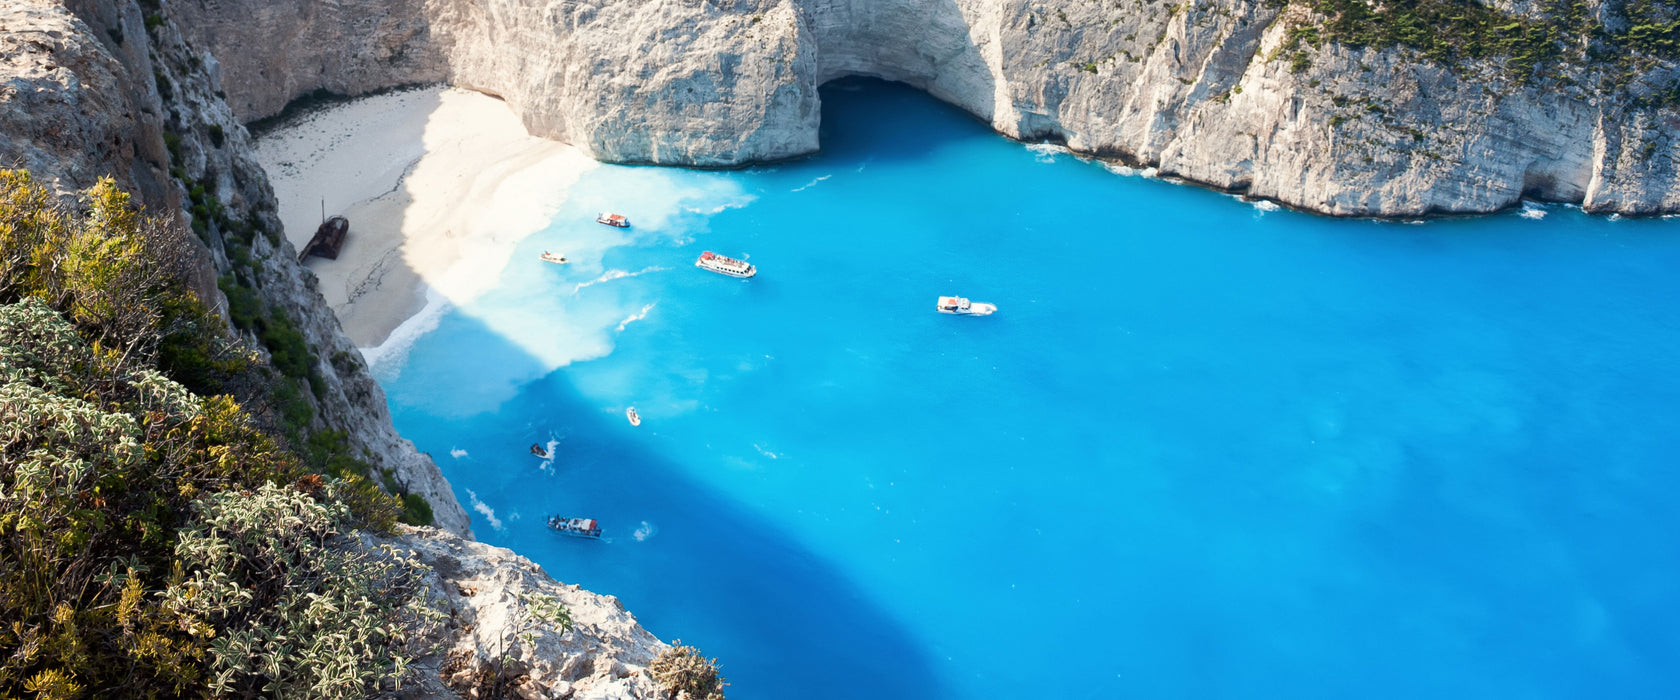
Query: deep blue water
<point x="1203" y="450"/>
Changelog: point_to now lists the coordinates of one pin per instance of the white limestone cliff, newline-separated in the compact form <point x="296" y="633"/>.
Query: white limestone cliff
<point x="485" y="593"/>
<point x="1192" y="88"/>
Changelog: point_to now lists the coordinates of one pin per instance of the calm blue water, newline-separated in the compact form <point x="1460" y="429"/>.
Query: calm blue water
<point x="1203" y="450"/>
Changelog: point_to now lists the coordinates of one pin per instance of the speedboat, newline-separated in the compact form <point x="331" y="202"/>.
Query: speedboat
<point x="556" y="259"/>
<point x="576" y="527"/>
<point x="961" y="306"/>
<point x="612" y="219"/>
<point x="725" y="265"/>
<point x="635" y="418"/>
<point x="538" y="451"/>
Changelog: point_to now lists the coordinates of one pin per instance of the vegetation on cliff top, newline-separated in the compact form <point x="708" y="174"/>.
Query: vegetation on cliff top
<point x="154" y="543"/>
<point x="1634" y="36"/>
<point x="684" y="672"/>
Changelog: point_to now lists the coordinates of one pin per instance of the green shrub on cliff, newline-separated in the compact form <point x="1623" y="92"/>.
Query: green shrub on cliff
<point x="154" y="543"/>
<point x="684" y="673"/>
<point x="1562" y="34"/>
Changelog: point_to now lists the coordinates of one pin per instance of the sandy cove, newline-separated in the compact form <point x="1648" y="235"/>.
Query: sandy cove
<point x="439" y="185"/>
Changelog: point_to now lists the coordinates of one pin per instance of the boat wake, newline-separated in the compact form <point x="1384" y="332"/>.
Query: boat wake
<point x="552" y="448"/>
<point x="457" y="452"/>
<point x="486" y="511"/>
<point x="646" y="531"/>
<point x="632" y="318"/>
<point x="811" y="184"/>
<point x="740" y="203"/>
<point x="611" y="275"/>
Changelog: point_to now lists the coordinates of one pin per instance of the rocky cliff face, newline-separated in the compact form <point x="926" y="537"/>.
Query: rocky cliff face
<point x="91" y="89"/>
<point x="1195" y="89"/>
<point x="486" y="594"/>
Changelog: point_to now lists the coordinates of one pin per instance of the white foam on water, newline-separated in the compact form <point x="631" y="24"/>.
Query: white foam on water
<point x="632" y="318"/>
<point x="611" y="275"/>
<point x="726" y="206"/>
<point x="765" y="452"/>
<point x="1532" y="210"/>
<point x="552" y="447"/>
<point x="457" y="452"/>
<point x="811" y="184"/>
<point x="1047" y="152"/>
<point x="1265" y="206"/>
<point x="485" y="510"/>
<point x="537" y="308"/>
<point x="1615" y="217"/>
<point x="646" y="531"/>
<point x="385" y="360"/>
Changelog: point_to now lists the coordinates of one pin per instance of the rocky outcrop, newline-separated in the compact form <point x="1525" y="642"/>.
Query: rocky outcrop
<point x="89" y="90"/>
<point x="486" y="595"/>
<point x="1195" y="89"/>
<point x="300" y="46"/>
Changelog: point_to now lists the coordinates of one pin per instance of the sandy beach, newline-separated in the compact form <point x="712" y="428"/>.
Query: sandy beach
<point x="439" y="185"/>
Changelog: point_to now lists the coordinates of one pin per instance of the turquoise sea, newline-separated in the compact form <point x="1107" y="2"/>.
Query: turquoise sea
<point x="1205" y="449"/>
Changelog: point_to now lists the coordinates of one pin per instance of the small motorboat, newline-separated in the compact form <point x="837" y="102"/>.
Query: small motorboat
<point x="538" y="451"/>
<point x="556" y="259"/>
<point x="635" y="418"/>
<point x="725" y="265"/>
<point x="612" y="219"/>
<point x="961" y="306"/>
<point x="576" y="527"/>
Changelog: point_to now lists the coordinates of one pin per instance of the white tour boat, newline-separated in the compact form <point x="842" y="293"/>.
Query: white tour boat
<point x="612" y="219"/>
<point x="556" y="259"/>
<point x="576" y="527"/>
<point x="635" y="418"/>
<point x="961" y="306"/>
<point x="725" y="265"/>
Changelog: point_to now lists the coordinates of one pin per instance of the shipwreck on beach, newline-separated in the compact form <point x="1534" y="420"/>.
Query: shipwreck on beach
<point x="327" y="239"/>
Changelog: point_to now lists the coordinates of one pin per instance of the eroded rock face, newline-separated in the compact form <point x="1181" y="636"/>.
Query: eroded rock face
<point x="484" y="593"/>
<point x="88" y="89"/>
<point x="272" y="52"/>
<point x="1194" y="89"/>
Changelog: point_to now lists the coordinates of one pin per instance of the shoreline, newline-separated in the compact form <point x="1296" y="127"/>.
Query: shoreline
<point x="439" y="184"/>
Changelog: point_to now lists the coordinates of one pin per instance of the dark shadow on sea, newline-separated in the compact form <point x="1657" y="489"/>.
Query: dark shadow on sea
<point x="796" y="627"/>
<point x="859" y="114"/>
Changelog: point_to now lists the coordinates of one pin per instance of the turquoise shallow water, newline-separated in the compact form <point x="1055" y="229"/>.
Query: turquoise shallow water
<point x="1203" y="450"/>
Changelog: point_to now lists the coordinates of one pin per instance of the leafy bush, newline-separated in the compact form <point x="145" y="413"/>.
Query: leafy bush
<point x="416" y="510"/>
<point x="687" y="675"/>
<point x="1451" y="32"/>
<point x="273" y="568"/>
<point x="99" y="461"/>
<point x="286" y="346"/>
<point x="243" y="307"/>
<point x="134" y="515"/>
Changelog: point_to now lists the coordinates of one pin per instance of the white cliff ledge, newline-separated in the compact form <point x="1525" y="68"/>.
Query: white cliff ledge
<point x="485" y="592"/>
<point x="1194" y="89"/>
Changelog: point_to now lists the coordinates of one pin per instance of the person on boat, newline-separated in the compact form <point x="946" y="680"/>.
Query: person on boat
<point x="536" y="449"/>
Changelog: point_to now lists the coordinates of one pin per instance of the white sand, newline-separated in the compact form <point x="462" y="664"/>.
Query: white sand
<point x="439" y="185"/>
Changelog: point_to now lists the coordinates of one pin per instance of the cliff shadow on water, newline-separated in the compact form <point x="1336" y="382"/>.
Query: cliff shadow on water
<point x="691" y="562"/>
